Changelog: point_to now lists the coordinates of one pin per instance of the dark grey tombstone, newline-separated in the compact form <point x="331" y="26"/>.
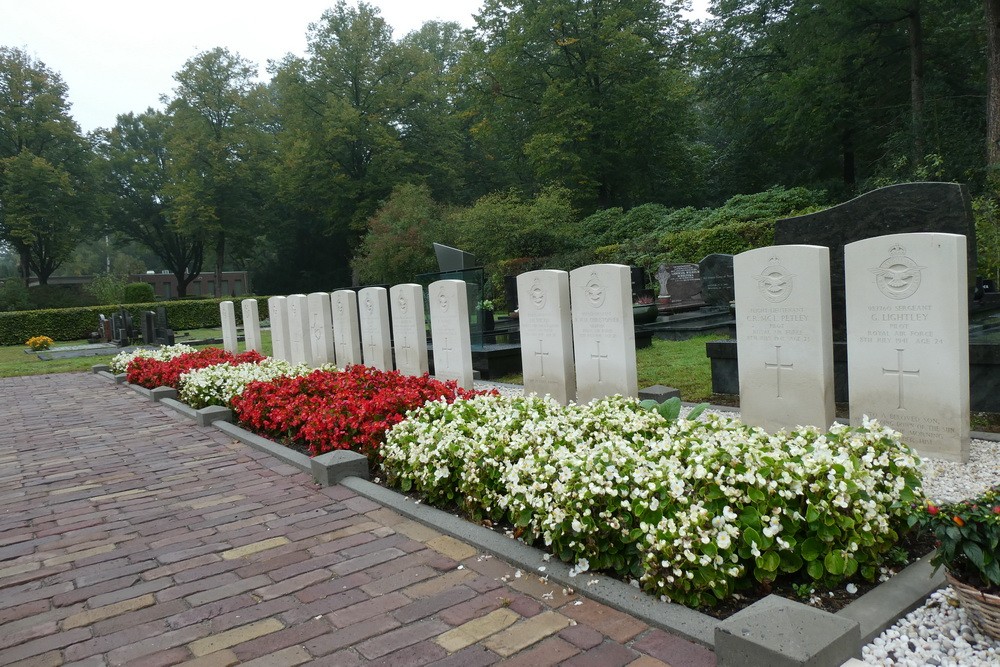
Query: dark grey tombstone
<point x="164" y="335"/>
<point x="682" y="282"/>
<point x="103" y="329"/>
<point x="896" y="209"/>
<point x="716" y="272"/>
<point x="638" y="277"/>
<point x="453" y="259"/>
<point x="161" y="318"/>
<point x="117" y="324"/>
<point x="510" y="291"/>
<point x="126" y="332"/>
<point x="149" y="327"/>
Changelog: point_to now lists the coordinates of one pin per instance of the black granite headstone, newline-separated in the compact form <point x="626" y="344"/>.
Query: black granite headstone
<point x="149" y="327"/>
<point x="717" y="287"/>
<point x="638" y="277"/>
<point x="682" y="282"/>
<point x="164" y="335"/>
<point x="896" y="209"/>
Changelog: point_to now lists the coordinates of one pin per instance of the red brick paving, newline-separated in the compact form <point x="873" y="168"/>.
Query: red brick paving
<point x="129" y="535"/>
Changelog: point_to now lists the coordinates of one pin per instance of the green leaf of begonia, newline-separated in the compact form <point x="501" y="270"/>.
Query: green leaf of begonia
<point x="815" y="569"/>
<point x="696" y="411"/>
<point x="974" y="553"/>
<point x="835" y="563"/>
<point x="769" y="561"/>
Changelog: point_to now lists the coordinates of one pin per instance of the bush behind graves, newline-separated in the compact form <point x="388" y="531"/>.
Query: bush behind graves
<point x="77" y="323"/>
<point x="693" y="511"/>
<point x="138" y="293"/>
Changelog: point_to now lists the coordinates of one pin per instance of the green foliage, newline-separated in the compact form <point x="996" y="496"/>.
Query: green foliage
<point x="398" y="245"/>
<point x="670" y="409"/>
<point x="138" y="293"/>
<point x="108" y="288"/>
<point x="986" y="210"/>
<point x="14" y="295"/>
<point x="77" y="323"/>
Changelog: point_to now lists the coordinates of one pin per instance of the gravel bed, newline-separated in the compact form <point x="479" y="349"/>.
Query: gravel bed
<point x="940" y="632"/>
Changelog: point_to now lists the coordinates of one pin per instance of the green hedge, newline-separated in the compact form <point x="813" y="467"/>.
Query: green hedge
<point x="695" y="244"/>
<point x="75" y="323"/>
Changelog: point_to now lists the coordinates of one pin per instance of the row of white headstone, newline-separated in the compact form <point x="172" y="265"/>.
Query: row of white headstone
<point x="577" y="348"/>
<point x="907" y="337"/>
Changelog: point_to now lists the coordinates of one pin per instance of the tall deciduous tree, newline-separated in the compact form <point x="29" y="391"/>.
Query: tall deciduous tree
<point x="587" y="94"/>
<point x="136" y="172"/>
<point x="993" y="88"/>
<point x="219" y="152"/>
<point x="46" y="188"/>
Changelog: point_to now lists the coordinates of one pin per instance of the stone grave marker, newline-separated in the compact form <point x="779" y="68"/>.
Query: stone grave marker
<point x="603" y="331"/>
<point x="251" y="325"/>
<point x="277" y="313"/>
<point x="148" y="327"/>
<point x="902" y="208"/>
<point x="103" y="329"/>
<point x="680" y="284"/>
<point x="450" y="337"/>
<point x="164" y="334"/>
<point x="908" y="338"/>
<point x="716" y="272"/>
<point x="230" y="340"/>
<point x="546" y="334"/>
<point x="321" y="327"/>
<point x="408" y="328"/>
<point x="376" y="341"/>
<point x="346" y="331"/>
<point x="299" y="342"/>
<point x="785" y="337"/>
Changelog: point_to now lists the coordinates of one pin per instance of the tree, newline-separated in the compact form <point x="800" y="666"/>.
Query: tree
<point x="46" y="193"/>
<point x="588" y="94"/>
<point x="136" y="172"/>
<point x="219" y="152"/>
<point x="993" y="87"/>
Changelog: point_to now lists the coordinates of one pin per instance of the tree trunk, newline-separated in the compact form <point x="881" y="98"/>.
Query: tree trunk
<point x="220" y="256"/>
<point x="993" y="90"/>
<point x="916" y="84"/>
<point x="25" y="266"/>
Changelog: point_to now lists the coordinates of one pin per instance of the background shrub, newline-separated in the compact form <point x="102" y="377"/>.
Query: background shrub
<point x="138" y="293"/>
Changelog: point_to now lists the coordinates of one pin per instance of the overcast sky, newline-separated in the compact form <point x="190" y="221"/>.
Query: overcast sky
<point x="118" y="56"/>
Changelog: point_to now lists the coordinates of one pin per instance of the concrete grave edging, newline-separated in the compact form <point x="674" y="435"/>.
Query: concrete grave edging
<point x="873" y="612"/>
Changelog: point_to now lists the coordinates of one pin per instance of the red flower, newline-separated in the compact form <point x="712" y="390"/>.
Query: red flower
<point x="932" y="509"/>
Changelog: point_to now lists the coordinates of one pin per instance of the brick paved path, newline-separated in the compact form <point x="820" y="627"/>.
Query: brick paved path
<point x="129" y="535"/>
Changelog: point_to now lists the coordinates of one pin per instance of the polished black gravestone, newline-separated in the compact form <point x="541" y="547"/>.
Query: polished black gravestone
<point x="896" y="209"/>
<point x="717" y="280"/>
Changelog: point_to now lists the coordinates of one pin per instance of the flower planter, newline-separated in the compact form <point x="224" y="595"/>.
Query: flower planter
<point x="983" y="608"/>
<point x="644" y="313"/>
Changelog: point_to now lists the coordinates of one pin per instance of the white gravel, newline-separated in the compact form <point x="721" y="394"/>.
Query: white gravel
<point x="940" y="632"/>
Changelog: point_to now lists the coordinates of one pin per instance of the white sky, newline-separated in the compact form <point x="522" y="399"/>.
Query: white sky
<point x="118" y="56"/>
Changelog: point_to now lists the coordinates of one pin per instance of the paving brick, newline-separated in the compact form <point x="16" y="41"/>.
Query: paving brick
<point x="476" y="630"/>
<point x="235" y="636"/>
<point x="608" y="654"/>
<point x="526" y="606"/>
<point x="14" y="636"/>
<point x="416" y="530"/>
<point x="139" y="617"/>
<point x="582" y="636"/>
<point x="402" y="579"/>
<point x="254" y="547"/>
<point x="366" y="561"/>
<point x="223" y="658"/>
<point x="551" y="651"/>
<point x="474" y="608"/>
<point x="424" y="607"/>
<point x="344" y="637"/>
<point x="672" y="649"/>
<point x="470" y="656"/>
<point x="324" y="605"/>
<point x="451" y="547"/>
<point x="196" y="586"/>
<point x="156" y="644"/>
<point x="289" y="657"/>
<point x="402" y="637"/>
<point x="281" y="639"/>
<point x="525" y="633"/>
<point x="127" y="593"/>
<point x="614" y="624"/>
<point x="438" y="584"/>
<point x="93" y="615"/>
<point x="261" y="610"/>
<point x="50" y="659"/>
<point x="367" y="609"/>
<point x="345" y="658"/>
<point x="180" y="566"/>
<point x="43" y="645"/>
<point x="228" y="590"/>
<point x="164" y="658"/>
<point x="289" y="586"/>
<point x="647" y="661"/>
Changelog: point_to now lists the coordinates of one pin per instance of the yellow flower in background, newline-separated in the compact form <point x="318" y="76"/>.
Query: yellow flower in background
<point x="37" y="343"/>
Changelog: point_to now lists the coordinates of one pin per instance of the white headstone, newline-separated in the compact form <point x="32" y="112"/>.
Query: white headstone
<point x="251" y="325"/>
<point x="603" y="331"/>
<point x="321" y="327"/>
<point x="908" y="338"/>
<point x="277" y="313"/>
<point x="230" y="340"/>
<point x="784" y="334"/>
<point x="450" y="336"/>
<point x="546" y="334"/>
<point x="346" y="334"/>
<point x="298" y="330"/>
<point x="408" y="328"/>
<point x="376" y="340"/>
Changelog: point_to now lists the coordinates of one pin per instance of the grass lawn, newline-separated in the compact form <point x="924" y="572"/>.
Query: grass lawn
<point x="14" y="361"/>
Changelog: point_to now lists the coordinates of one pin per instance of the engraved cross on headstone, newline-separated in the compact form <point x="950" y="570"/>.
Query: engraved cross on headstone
<point x="598" y="357"/>
<point x="900" y="374"/>
<point x="541" y="357"/>
<point x="777" y="366"/>
<point x="446" y="350"/>
<point x="405" y="347"/>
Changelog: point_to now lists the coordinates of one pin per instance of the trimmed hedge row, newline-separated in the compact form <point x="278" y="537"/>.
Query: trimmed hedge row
<point x="75" y="323"/>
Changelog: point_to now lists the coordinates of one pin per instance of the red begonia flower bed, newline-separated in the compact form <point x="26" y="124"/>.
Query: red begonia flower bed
<point x="152" y="373"/>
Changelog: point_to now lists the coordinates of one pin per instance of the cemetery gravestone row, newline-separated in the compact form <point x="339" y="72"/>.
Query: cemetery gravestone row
<point x="410" y="337"/>
<point x="546" y="334"/>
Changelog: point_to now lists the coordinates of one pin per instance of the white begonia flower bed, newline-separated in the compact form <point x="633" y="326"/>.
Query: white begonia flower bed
<point x="218" y="384"/>
<point x="688" y="508"/>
